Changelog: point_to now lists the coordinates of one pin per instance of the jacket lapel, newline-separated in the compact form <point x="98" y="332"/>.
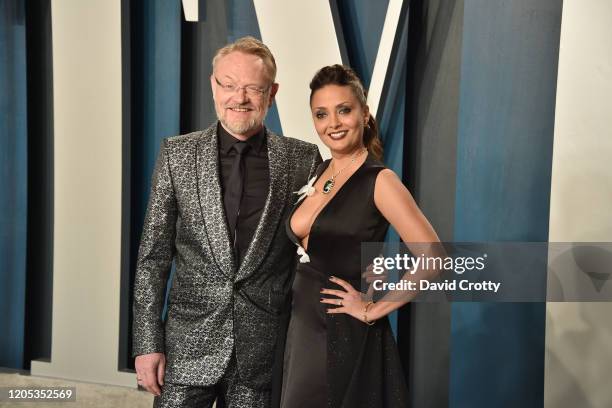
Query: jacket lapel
<point x="211" y="201"/>
<point x="273" y="208"/>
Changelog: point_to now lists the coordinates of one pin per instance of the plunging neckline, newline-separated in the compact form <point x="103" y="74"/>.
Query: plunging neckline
<point x="296" y="240"/>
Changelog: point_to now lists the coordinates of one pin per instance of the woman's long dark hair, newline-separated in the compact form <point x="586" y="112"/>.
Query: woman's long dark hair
<point x="342" y="75"/>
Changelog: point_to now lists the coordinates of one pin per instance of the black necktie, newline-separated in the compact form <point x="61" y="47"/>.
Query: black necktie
<point x="234" y="188"/>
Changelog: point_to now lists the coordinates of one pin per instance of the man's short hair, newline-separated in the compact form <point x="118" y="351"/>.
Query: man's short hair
<point x="249" y="45"/>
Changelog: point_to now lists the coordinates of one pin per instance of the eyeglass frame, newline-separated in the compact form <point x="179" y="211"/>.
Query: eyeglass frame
<point x="254" y="90"/>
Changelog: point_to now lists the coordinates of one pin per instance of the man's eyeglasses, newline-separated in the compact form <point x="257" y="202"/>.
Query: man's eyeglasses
<point x="251" y="90"/>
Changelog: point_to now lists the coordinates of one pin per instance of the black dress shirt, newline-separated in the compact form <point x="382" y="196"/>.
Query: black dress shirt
<point x="256" y="183"/>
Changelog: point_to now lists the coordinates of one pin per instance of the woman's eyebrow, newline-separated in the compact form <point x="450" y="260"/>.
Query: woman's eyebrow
<point x="340" y="104"/>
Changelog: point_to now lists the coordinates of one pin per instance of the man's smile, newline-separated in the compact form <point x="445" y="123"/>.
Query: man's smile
<point x="239" y="109"/>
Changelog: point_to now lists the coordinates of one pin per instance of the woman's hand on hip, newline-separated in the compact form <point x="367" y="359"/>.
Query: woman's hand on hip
<point x="348" y="300"/>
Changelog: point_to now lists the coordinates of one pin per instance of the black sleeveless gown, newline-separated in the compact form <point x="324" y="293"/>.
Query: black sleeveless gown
<point x="335" y="360"/>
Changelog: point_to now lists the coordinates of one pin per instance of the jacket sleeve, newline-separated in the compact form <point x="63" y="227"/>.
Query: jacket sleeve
<point x="316" y="161"/>
<point x="154" y="260"/>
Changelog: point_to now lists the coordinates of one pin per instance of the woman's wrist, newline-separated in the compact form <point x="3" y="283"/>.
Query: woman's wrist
<point x="367" y="314"/>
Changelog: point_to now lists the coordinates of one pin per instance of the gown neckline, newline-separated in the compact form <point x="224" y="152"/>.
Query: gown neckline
<point x="292" y="235"/>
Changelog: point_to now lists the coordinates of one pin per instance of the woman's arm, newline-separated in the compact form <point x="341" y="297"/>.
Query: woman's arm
<point x="397" y="205"/>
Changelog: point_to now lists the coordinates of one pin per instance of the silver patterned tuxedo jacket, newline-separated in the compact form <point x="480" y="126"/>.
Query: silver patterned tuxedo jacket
<point x="214" y="306"/>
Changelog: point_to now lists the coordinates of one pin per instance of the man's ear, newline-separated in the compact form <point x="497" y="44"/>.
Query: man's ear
<point x="273" y="91"/>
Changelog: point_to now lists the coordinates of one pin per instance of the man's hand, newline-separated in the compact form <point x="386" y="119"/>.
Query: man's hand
<point x="150" y="369"/>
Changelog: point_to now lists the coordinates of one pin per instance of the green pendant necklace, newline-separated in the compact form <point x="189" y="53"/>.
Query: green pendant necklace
<point x="330" y="182"/>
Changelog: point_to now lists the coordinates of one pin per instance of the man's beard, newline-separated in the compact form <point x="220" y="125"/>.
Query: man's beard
<point x="242" y="127"/>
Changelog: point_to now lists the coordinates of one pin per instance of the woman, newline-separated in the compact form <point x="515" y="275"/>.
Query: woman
<point x="340" y="350"/>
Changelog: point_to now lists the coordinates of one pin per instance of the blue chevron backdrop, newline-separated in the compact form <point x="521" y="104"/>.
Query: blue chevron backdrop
<point x="467" y="115"/>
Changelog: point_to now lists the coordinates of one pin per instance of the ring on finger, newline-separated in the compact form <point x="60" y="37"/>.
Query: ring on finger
<point x="340" y="302"/>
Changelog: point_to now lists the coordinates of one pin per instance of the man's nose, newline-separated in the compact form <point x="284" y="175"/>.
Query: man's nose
<point x="240" y="95"/>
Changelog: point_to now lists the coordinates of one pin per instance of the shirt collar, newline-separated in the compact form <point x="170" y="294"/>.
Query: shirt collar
<point x="227" y="141"/>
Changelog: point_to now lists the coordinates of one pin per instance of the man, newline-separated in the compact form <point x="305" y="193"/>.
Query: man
<point x="218" y="203"/>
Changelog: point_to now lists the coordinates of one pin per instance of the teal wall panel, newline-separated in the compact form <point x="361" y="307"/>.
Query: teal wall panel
<point x="13" y="181"/>
<point x="504" y="156"/>
<point x="154" y="104"/>
<point x="361" y="24"/>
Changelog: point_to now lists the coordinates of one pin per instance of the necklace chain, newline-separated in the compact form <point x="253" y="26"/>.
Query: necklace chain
<point x="330" y="182"/>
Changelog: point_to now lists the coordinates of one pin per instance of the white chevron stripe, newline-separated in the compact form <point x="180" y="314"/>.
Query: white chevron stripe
<point x="87" y="117"/>
<point x="578" y="346"/>
<point x="383" y="56"/>
<point x="302" y="38"/>
<point x="191" y="10"/>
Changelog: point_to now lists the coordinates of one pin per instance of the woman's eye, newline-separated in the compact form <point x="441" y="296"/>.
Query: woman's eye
<point x="320" y="115"/>
<point x="344" y="111"/>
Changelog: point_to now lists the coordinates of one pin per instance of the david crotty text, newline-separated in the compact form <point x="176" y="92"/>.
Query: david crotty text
<point x="462" y="285"/>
